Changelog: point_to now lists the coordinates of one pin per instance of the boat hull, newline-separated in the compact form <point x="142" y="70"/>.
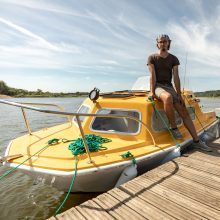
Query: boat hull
<point x="92" y="180"/>
<point x="103" y="178"/>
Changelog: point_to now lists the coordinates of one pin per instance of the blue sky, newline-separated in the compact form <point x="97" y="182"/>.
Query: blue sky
<point x="70" y="45"/>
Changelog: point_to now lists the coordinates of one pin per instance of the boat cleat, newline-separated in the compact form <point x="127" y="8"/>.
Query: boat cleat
<point x="7" y="158"/>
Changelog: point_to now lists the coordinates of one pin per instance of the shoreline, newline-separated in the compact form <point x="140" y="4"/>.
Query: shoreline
<point x="5" y="97"/>
<point x="63" y="96"/>
<point x="11" y="97"/>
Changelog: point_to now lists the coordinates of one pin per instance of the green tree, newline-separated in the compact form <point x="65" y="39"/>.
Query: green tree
<point x="4" y="89"/>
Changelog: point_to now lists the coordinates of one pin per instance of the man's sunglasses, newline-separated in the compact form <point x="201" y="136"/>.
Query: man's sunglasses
<point x="164" y="41"/>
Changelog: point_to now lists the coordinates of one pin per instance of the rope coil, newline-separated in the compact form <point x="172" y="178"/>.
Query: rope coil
<point x="94" y="143"/>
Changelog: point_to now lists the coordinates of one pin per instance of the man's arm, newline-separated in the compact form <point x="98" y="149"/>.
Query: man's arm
<point x="152" y="79"/>
<point x="176" y="79"/>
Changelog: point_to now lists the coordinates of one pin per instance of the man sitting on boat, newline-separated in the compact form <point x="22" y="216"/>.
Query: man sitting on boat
<point x="162" y="67"/>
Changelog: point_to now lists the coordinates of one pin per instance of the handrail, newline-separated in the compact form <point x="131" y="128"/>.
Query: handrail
<point x="25" y="106"/>
<point x="46" y="104"/>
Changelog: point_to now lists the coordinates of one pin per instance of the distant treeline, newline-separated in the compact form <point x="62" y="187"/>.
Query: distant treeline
<point x="6" y="90"/>
<point x="213" y="93"/>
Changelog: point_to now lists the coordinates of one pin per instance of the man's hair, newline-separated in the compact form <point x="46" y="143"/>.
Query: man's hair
<point x="163" y="36"/>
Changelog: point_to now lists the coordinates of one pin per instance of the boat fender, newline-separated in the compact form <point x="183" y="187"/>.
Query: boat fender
<point x="209" y="135"/>
<point x="173" y="154"/>
<point x="205" y="137"/>
<point x="127" y="174"/>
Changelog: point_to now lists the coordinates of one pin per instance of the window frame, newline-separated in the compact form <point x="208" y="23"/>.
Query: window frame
<point x="118" y="132"/>
<point x="179" y="125"/>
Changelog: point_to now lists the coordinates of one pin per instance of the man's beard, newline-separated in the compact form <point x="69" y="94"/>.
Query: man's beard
<point x="163" y="49"/>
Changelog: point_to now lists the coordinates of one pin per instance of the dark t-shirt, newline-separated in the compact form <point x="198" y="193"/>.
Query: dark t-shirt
<point x="163" y="67"/>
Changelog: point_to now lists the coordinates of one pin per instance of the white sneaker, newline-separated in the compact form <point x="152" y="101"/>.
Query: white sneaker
<point x="202" y="146"/>
<point x="176" y="133"/>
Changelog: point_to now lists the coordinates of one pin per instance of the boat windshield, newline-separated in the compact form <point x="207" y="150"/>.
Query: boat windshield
<point x="116" y="125"/>
<point x="82" y="109"/>
<point x="142" y="83"/>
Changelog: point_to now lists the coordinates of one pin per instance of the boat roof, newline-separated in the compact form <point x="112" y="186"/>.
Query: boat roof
<point x="123" y="98"/>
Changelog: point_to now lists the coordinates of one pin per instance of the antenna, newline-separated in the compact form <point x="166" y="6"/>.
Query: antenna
<point x="184" y="79"/>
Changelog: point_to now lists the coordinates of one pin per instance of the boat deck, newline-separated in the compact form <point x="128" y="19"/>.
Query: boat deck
<point x="185" y="188"/>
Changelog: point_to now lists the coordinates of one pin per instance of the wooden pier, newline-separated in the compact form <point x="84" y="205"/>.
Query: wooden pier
<point x="185" y="188"/>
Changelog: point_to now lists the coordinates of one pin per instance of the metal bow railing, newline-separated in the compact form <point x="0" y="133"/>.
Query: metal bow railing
<point x="24" y="106"/>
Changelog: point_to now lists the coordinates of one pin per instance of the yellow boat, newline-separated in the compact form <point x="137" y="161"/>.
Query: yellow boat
<point x="128" y="118"/>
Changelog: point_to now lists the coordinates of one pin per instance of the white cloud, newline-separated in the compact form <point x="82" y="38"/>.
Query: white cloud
<point x="49" y="6"/>
<point x="29" y="34"/>
<point x="99" y="41"/>
<point x="193" y="38"/>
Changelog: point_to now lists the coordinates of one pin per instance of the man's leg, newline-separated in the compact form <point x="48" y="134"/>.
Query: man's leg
<point x="186" y="120"/>
<point x="167" y="100"/>
<point x="190" y="127"/>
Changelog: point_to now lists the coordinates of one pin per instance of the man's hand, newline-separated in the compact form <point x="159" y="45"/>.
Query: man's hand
<point x="152" y="95"/>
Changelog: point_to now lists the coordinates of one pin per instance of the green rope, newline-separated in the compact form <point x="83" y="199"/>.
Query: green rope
<point x="49" y="143"/>
<point x="127" y="155"/>
<point x="64" y="140"/>
<point x="70" y="188"/>
<point x="164" y="122"/>
<point x="94" y="144"/>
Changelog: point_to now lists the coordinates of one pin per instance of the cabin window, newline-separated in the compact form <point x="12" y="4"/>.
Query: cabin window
<point x="119" y="125"/>
<point x="191" y="111"/>
<point x="158" y="124"/>
<point x="82" y="109"/>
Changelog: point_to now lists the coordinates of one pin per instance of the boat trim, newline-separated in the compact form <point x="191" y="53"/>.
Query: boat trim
<point x="101" y="168"/>
<point x="90" y="170"/>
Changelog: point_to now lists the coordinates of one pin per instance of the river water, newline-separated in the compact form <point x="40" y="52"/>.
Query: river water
<point x="22" y="197"/>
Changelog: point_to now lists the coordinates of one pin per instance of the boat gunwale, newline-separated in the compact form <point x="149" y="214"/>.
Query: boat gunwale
<point x="100" y="168"/>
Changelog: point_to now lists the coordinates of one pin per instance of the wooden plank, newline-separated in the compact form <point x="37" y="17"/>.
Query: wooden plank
<point x="69" y="215"/>
<point x="171" y="178"/>
<point x="213" y="158"/>
<point x="215" y="143"/>
<point x="180" y="199"/>
<point x="201" y="177"/>
<point x="145" y="208"/>
<point x="90" y="209"/>
<point x="160" y="203"/>
<point x="194" y="190"/>
<point x="116" y="208"/>
<point x="74" y="214"/>
<point x="65" y="216"/>
<point x="148" y="210"/>
<point x="199" y="165"/>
